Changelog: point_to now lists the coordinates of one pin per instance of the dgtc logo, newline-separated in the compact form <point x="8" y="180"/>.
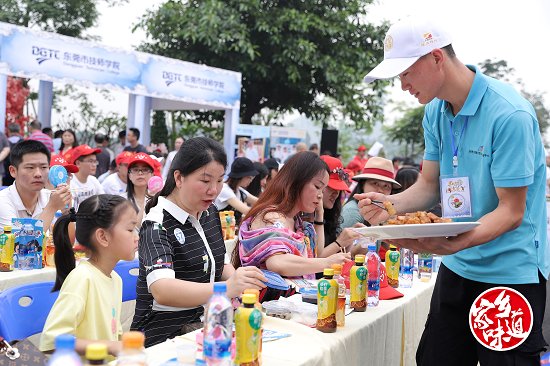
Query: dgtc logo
<point x="170" y="77"/>
<point x="44" y="54"/>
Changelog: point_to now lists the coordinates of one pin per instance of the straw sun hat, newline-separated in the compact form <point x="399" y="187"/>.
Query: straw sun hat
<point x="378" y="168"/>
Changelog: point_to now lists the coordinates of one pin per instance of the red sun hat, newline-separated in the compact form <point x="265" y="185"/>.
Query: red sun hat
<point x="337" y="176"/>
<point x="59" y="160"/>
<point x="124" y="157"/>
<point x="146" y="159"/>
<point x="82" y="150"/>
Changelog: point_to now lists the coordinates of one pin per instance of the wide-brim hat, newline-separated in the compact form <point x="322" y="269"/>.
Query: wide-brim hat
<point x="338" y="178"/>
<point x="378" y="168"/>
<point x="242" y="167"/>
<point x="405" y="42"/>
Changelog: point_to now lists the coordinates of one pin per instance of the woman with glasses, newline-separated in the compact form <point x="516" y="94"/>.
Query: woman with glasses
<point x="336" y="238"/>
<point x="140" y="169"/>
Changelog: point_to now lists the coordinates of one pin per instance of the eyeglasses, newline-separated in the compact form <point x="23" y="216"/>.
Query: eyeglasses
<point x="341" y="174"/>
<point x="140" y="171"/>
<point x="93" y="162"/>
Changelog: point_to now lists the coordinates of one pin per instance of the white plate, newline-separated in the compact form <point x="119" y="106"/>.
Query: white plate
<point x="414" y="231"/>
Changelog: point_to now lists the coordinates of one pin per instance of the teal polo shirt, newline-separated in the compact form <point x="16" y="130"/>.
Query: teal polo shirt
<point x="500" y="147"/>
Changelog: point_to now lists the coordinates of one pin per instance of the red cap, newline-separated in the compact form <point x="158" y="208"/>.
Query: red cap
<point x="82" y="150"/>
<point x="124" y="157"/>
<point x="362" y="148"/>
<point x="337" y="176"/>
<point x="387" y="292"/>
<point x="147" y="159"/>
<point x="58" y="160"/>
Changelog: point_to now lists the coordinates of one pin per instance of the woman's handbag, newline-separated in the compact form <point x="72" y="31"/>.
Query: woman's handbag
<point x="21" y="353"/>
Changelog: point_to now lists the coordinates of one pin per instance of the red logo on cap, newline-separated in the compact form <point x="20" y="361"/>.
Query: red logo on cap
<point x="501" y="318"/>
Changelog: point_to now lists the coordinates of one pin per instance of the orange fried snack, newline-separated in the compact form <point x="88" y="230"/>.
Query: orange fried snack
<point x="419" y="217"/>
<point x="389" y="207"/>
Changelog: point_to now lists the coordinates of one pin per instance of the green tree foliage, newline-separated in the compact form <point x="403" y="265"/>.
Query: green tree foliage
<point x="159" y="132"/>
<point x="408" y="131"/>
<point x="294" y="55"/>
<point x="88" y="119"/>
<point x="500" y="70"/>
<point x="67" y="17"/>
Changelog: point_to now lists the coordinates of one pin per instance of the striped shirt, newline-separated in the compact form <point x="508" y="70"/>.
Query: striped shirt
<point x="43" y="138"/>
<point x="174" y="244"/>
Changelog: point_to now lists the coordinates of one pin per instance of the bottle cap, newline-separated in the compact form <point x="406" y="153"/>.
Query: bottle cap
<point x="65" y="341"/>
<point x="328" y="272"/>
<point x="252" y="291"/>
<point x="372" y="247"/>
<point x="96" y="352"/>
<point x="7" y="228"/>
<point x="337" y="268"/>
<point x="249" y="299"/>
<point x="220" y="287"/>
<point x="359" y="258"/>
<point x="133" y="339"/>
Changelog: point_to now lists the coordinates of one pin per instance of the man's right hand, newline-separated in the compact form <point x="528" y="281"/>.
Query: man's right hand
<point x="372" y="213"/>
<point x="60" y="197"/>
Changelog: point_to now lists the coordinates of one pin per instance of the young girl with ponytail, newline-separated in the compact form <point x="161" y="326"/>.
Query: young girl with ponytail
<point x="90" y="294"/>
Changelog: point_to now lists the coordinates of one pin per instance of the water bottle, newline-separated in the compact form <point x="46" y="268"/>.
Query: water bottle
<point x="65" y="354"/>
<point x="132" y="353"/>
<point x="218" y="328"/>
<point x="425" y="264"/>
<point x="373" y="267"/>
<point x="406" y="268"/>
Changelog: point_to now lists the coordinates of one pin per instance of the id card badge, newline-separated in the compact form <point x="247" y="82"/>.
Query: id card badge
<point x="455" y="197"/>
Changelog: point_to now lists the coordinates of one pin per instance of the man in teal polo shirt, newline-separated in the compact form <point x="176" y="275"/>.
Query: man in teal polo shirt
<point x="481" y="131"/>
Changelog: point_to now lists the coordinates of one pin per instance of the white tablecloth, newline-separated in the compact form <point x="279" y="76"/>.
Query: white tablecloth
<point x="20" y="277"/>
<point x="386" y="335"/>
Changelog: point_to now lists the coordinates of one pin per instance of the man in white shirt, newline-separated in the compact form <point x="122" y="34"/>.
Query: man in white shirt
<point x="26" y="197"/>
<point x="84" y="184"/>
<point x="116" y="183"/>
<point x="170" y="157"/>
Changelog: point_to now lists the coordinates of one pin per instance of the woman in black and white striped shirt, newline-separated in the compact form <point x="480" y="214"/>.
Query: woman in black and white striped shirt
<point x="181" y="249"/>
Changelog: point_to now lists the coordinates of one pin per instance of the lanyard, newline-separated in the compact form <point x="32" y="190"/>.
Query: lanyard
<point x="455" y="147"/>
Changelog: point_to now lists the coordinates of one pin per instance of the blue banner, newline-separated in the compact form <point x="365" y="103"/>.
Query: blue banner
<point x="65" y="59"/>
<point x="173" y="79"/>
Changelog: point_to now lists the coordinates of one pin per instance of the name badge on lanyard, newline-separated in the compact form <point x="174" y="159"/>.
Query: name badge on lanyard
<point x="455" y="190"/>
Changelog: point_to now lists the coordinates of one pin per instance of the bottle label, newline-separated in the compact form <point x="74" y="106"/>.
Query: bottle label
<point x="327" y="302"/>
<point x="374" y="285"/>
<point x="358" y="286"/>
<point x="255" y="319"/>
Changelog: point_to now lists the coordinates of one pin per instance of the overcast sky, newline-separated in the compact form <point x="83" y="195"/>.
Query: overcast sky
<point x="515" y="31"/>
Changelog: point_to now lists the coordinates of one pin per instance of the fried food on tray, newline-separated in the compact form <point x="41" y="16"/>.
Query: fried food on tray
<point x="419" y="217"/>
<point x="389" y="207"/>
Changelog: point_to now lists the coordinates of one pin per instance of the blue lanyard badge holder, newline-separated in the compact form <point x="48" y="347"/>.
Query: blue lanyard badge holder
<point x="455" y="189"/>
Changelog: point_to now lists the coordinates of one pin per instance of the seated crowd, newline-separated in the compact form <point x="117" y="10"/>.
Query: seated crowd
<point x="295" y="224"/>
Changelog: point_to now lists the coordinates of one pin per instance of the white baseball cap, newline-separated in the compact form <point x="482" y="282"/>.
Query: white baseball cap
<point x="405" y="42"/>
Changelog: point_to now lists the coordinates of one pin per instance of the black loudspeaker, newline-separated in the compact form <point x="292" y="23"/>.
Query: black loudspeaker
<point x="329" y="142"/>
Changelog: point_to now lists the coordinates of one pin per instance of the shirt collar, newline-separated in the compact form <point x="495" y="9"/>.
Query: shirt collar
<point x="179" y="214"/>
<point x="475" y="95"/>
<point x="43" y="198"/>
